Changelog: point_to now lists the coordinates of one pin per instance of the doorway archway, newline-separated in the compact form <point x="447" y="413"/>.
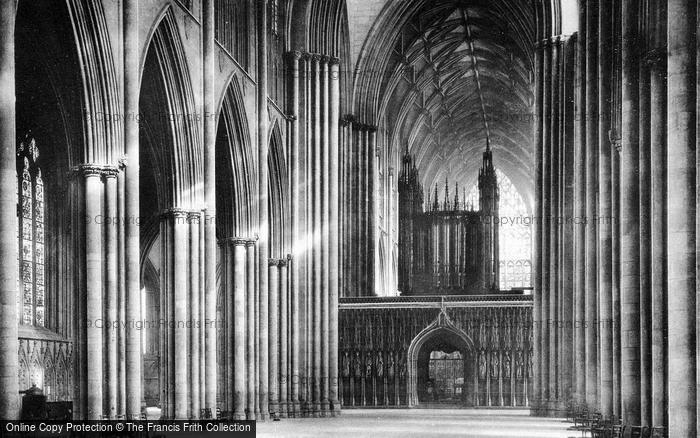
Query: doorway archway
<point x="441" y="336"/>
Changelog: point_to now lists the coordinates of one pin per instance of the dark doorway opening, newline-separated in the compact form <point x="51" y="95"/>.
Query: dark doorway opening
<point x="442" y="373"/>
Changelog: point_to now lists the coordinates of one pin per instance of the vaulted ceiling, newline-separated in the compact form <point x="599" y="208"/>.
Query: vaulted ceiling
<point x="454" y="75"/>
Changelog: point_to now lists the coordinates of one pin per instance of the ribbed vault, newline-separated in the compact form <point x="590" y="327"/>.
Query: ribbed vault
<point x="445" y="77"/>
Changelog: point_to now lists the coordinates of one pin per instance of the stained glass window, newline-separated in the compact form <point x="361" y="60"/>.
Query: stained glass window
<point x="274" y="17"/>
<point x="30" y="236"/>
<point x="514" y="234"/>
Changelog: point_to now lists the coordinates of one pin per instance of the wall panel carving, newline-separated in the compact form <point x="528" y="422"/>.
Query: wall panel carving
<point x="375" y="336"/>
<point x="47" y="364"/>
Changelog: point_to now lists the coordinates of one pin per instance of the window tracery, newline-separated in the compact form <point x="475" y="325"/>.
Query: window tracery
<point x="31" y="234"/>
<point x="515" y="234"/>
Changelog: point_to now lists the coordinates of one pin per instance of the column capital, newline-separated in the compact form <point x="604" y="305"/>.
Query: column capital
<point x="123" y="162"/>
<point x="194" y="215"/>
<point x="110" y="171"/>
<point x="250" y="242"/>
<point x="325" y="59"/>
<point x="175" y="213"/>
<point x="88" y="169"/>
<point x="274" y="262"/>
<point x="315" y="57"/>
<point x="295" y="55"/>
<point x="365" y="127"/>
<point x="655" y="57"/>
<point x="334" y="60"/>
<point x="615" y="140"/>
<point x="238" y="241"/>
<point x="347" y="119"/>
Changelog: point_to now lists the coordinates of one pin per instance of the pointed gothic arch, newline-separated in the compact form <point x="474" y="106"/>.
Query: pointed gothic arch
<point x="169" y="125"/>
<point x="278" y="194"/>
<point x="235" y="167"/>
<point x="442" y="328"/>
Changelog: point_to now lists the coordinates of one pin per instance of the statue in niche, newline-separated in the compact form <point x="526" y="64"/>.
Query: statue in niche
<point x="346" y="365"/>
<point x="482" y="365"/>
<point x="506" y="365"/>
<point x="482" y="335"/>
<point x="507" y="335"/>
<point x="368" y="365"/>
<point x="529" y="364"/>
<point x="390" y="365"/>
<point x="519" y="365"/>
<point x="494" y="333"/>
<point x="519" y="336"/>
<point x="357" y="365"/>
<point x="494" y="365"/>
<point x="402" y="367"/>
<point x="380" y="364"/>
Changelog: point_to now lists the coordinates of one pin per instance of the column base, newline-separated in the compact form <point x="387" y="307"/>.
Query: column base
<point x="295" y="409"/>
<point x="283" y="409"/>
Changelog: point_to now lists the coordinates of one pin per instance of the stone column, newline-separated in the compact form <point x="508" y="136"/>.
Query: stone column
<point x="210" y="251"/>
<point x="591" y="204"/>
<point x="273" y="324"/>
<point x="228" y="280"/>
<point x="240" y="375"/>
<point x="554" y="225"/>
<point x="580" y="211"/>
<point x="250" y="329"/>
<point x="9" y="365"/>
<point x="180" y="306"/>
<point x="294" y="269"/>
<point x="94" y="192"/>
<point x="112" y="290"/>
<point x="658" y="228"/>
<point x="546" y="181"/>
<point x="537" y="268"/>
<point x="629" y="209"/>
<point x="194" y="219"/>
<point x="306" y="301"/>
<point x="263" y="214"/>
<point x="284" y="336"/>
<point x="121" y="309"/>
<point x="681" y="217"/>
<point x="316" y="278"/>
<point x="644" y="245"/>
<point x="605" y="46"/>
<point x="324" y="242"/>
<point x="132" y="81"/>
<point x="616" y="143"/>
<point x="334" y="238"/>
<point x="202" y="314"/>
<point x="372" y="219"/>
<point x="567" y="228"/>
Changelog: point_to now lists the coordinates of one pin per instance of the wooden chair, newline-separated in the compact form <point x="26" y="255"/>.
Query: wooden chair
<point x="581" y="417"/>
<point x="631" y="431"/>
<point x="658" y="432"/>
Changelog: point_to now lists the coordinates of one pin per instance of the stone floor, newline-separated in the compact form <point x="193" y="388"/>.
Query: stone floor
<point x="402" y="423"/>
